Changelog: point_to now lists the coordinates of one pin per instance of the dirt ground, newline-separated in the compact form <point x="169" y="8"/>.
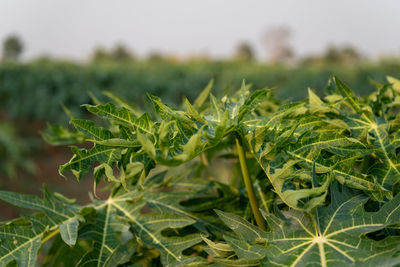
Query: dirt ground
<point x="47" y="159"/>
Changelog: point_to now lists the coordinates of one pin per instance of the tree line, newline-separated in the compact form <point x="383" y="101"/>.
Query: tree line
<point x="276" y="41"/>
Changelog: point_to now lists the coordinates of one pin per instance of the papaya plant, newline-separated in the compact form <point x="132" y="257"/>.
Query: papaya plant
<point x="236" y="181"/>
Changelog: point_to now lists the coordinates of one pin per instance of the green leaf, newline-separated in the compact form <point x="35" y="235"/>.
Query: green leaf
<point x="387" y="173"/>
<point x="89" y="128"/>
<point x="69" y="231"/>
<point x="149" y="228"/>
<point x="335" y="140"/>
<point x="251" y="103"/>
<point x="147" y="145"/>
<point x="346" y="92"/>
<point x="241" y="227"/>
<point x="165" y="111"/>
<point x="171" y="203"/>
<point x="60" y="135"/>
<point x="294" y="198"/>
<point x="83" y="159"/>
<point x="198" y="103"/>
<point x="58" y="209"/>
<point x="122" y="103"/>
<point x="395" y="83"/>
<point x="192" y="112"/>
<point x="313" y="99"/>
<point x="219" y="249"/>
<point x="61" y="253"/>
<point x="244" y="251"/>
<point x="329" y="236"/>
<point x="104" y="236"/>
<point x="123" y="253"/>
<point x="192" y="148"/>
<point x="22" y="238"/>
<point x="238" y="263"/>
<point x="122" y="116"/>
<point x="20" y="242"/>
<point x="332" y="235"/>
<point x="386" y="170"/>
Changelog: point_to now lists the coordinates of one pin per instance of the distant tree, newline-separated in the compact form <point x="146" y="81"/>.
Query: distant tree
<point x="350" y="53"/>
<point x="244" y="52"/>
<point x="332" y="54"/>
<point x="100" y="54"/>
<point x="203" y="57"/>
<point x="121" y="53"/>
<point x="155" y="56"/>
<point x="310" y="60"/>
<point x="277" y="42"/>
<point x="344" y="55"/>
<point x="12" y="48"/>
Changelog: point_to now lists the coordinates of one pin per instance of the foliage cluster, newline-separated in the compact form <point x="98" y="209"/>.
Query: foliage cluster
<point x="320" y="184"/>
<point x="35" y="90"/>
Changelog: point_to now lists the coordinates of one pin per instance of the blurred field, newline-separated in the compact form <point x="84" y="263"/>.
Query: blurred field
<point x="36" y="90"/>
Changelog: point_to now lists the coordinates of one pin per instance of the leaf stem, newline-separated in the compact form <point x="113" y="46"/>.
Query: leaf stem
<point x="205" y="163"/>
<point x="249" y="185"/>
<point x="234" y="181"/>
<point x="55" y="232"/>
<point x="204" y="159"/>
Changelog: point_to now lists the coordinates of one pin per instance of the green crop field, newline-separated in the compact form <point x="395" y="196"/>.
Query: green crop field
<point x="35" y="91"/>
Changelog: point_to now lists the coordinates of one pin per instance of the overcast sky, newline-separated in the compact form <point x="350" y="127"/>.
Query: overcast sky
<point x="74" y="28"/>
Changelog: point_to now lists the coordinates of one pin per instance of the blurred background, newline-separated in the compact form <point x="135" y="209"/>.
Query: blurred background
<point x="56" y="53"/>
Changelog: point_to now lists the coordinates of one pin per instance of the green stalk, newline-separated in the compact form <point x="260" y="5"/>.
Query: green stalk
<point x="204" y="161"/>
<point x="249" y="185"/>
<point x="49" y="236"/>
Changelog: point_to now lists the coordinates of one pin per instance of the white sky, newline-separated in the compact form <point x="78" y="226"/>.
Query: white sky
<point x="73" y="28"/>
